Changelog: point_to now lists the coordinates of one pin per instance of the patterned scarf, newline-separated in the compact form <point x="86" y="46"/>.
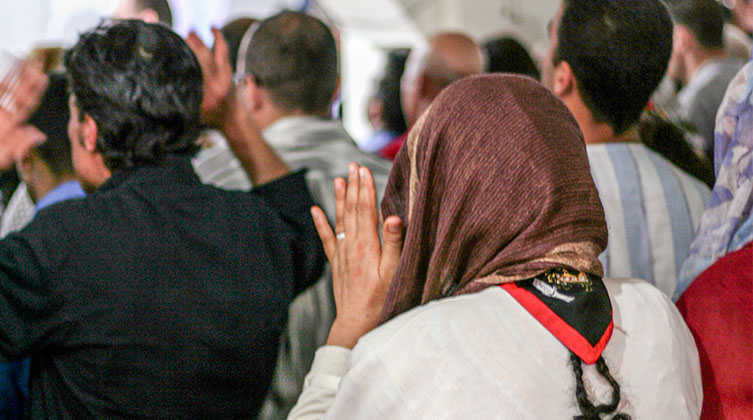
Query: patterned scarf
<point x="494" y="186"/>
<point x="727" y="224"/>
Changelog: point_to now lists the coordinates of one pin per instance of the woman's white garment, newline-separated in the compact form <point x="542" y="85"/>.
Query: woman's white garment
<point x="482" y="356"/>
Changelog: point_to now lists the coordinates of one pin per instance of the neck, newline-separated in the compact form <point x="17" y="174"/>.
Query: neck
<point x="271" y="115"/>
<point x="595" y="132"/>
<point x="693" y="62"/>
<point x="41" y="186"/>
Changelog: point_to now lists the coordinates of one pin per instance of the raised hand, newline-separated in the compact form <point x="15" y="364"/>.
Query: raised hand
<point x="362" y="268"/>
<point x="20" y="92"/>
<point x="218" y="77"/>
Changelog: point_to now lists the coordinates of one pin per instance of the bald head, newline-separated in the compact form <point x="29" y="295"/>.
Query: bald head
<point x="431" y="67"/>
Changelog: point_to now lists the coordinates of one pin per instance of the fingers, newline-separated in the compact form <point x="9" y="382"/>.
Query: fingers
<point x="351" y="200"/>
<point x="339" y="205"/>
<point x="32" y="83"/>
<point x="222" y="56"/>
<point x="21" y="90"/>
<point x="392" y="246"/>
<point x="367" y="213"/>
<point x="325" y="233"/>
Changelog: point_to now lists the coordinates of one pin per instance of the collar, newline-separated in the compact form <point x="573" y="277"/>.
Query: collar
<point x="575" y="308"/>
<point x="302" y="131"/>
<point x="174" y="169"/>
<point x="65" y="191"/>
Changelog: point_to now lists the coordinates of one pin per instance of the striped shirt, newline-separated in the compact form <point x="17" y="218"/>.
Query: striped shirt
<point x="652" y="209"/>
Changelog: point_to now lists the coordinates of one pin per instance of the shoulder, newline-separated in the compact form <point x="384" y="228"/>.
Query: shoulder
<point x="640" y="306"/>
<point x="652" y="348"/>
<point x="441" y="322"/>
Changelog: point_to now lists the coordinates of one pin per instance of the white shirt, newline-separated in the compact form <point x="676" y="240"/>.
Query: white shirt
<point x="482" y="356"/>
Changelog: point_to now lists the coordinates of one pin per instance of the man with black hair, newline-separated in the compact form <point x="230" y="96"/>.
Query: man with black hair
<point x="150" y="11"/>
<point x="290" y="79"/>
<point x="700" y="64"/>
<point x="605" y="59"/>
<point x="156" y="296"/>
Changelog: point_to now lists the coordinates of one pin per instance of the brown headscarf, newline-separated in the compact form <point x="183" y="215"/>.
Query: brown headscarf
<point x="494" y="186"/>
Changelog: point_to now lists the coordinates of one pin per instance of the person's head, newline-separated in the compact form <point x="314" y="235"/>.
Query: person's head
<point x="233" y="32"/>
<point x="49" y="163"/>
<point x="698" y="32"/>
<point x="291" y="68"/>
<point x="493" y="180"/>
<point x="390" y="110"/>
<point x="136" y="92"/>
<point x="431" y="67"/>
<point x="150" y="11"/>
<point x="609" y="55"/>
<point x="507" y="55"/>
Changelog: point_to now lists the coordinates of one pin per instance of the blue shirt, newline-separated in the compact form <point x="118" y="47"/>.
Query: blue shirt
<point x="65" y="191"/>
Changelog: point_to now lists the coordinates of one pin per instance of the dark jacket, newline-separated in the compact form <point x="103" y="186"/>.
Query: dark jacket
<point x="157" y="296"/>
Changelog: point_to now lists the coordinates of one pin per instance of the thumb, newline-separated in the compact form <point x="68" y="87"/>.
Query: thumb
<point x="392" y="246"/>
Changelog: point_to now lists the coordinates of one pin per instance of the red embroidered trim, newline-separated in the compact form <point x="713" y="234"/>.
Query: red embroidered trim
<point x="566" y="334"/>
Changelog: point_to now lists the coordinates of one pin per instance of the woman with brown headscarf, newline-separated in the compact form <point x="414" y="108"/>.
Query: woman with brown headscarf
<point x="495" y="307"/>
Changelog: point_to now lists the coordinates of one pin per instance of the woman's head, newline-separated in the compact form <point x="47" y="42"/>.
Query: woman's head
<point x="493" y="184"/>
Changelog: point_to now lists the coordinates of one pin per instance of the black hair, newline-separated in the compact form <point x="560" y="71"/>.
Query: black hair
<point x="618" y="51"/>
<point x="293" y="56"/>
<point x="233" y="32"/>
<point x="507" y="55"/>
<point x="161" y="7"/>
<point x="388" y="91"/>
<point x="51" y="118"/>
<point x="142" y="85"/>
<point x="588" y="410"/>
<point x="704" y="18"/>
<point x="668" y="139"/>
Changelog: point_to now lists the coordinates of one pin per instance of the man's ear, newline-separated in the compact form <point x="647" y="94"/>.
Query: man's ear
<point x="89" y="134"/>
<point x="682" y="39"/>
<point x="252" y="95"/>
<point x="564" y="79"/>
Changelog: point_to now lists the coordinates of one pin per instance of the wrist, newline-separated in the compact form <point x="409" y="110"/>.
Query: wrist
<point x="346" y="334"/>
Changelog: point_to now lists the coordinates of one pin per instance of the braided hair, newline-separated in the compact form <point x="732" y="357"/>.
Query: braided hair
<point x="588" y="410"/>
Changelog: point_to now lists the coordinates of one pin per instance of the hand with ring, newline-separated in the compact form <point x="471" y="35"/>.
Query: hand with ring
<point x="362" y="267"/>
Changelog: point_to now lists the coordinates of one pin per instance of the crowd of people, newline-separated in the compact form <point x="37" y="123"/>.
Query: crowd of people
<point x="193" y="234"/>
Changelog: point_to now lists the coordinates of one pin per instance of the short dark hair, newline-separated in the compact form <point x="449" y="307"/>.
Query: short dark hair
<point x="704" y="18"/>
<point x="388" y="91"/>
<point x="142" y="85"/>
<point x="51" y="118"/>
<point x="507" y="55"/>
<point x="618" y="51"/>
<point x="161" y="7"/>
<point x="233" y="32"/>
<point x="294" y="57"/>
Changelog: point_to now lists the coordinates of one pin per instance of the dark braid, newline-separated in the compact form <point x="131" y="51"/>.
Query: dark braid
<point x="587" y="409"/>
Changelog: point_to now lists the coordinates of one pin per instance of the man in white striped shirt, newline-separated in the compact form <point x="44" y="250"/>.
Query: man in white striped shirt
<point x="604" y="67"/>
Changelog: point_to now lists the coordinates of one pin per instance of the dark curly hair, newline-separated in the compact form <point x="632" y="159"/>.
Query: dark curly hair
<point x="142" y="85"/>
<point x="619" y="51"/>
